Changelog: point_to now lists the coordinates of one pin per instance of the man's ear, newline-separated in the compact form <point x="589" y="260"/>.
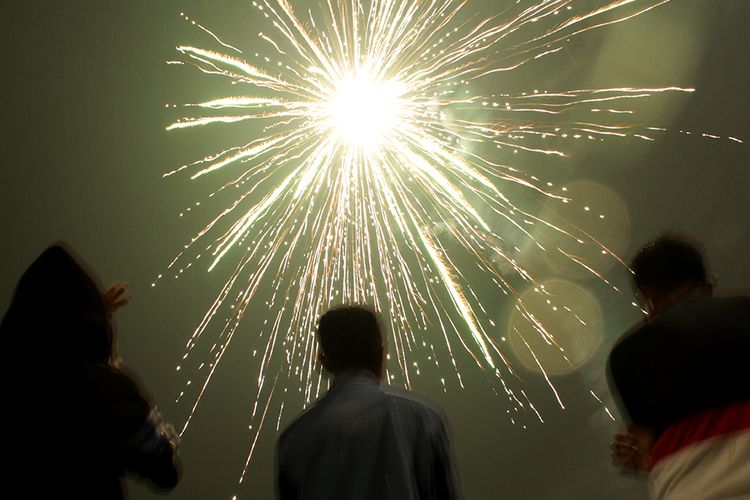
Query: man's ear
<point x="324" y="361"/>
<point x="650" y="302"/>
<point x="713" y="282"/>
<point x="378" y="366"/>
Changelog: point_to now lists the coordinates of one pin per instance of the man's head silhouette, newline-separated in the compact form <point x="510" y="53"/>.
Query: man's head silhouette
<point x="667" y="268"/>
<point x="349" y="339"/>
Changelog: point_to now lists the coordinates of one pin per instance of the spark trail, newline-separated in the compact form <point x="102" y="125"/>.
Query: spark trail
<point x="371" y="169"/>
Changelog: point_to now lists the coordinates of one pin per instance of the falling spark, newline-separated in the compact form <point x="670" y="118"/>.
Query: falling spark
<point x="371" y="168"/>
<point x="606" y="410"/>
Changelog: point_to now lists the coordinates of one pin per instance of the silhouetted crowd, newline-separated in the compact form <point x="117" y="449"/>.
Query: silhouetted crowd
<point x="76" y="421"/>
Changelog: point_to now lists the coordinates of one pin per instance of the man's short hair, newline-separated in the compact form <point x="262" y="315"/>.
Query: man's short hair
<point x="350" y="336"/>
<point x="667" y="262"/>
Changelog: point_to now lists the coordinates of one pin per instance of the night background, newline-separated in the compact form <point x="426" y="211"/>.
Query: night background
<point x="84" y="90"/>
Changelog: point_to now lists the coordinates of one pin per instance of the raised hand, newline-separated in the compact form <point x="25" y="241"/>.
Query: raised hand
<point x="631" y="449"/>
<point x="115" y="297"/>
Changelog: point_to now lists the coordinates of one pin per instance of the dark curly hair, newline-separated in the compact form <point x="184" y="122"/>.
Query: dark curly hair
<point x="667" y="262"/>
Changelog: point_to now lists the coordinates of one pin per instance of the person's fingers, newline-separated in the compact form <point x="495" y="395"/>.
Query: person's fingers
<point x="620" y="447"/>
<point x="115" y="297"/>
<point x="625" y="454"/>
<point x="115" y="291"/>
<point x="624" y="445"/>
<point x="121" y="300"/>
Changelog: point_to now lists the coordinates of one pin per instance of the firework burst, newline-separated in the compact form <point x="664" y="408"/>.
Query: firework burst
<point x="371" y="177"/>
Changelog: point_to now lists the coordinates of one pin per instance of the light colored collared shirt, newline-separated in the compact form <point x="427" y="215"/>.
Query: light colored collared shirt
<point x="361" y="443"/>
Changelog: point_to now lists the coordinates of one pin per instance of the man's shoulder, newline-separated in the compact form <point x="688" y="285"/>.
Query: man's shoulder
<point x="300" y="420"/>
<point x="693" y="318"/>
<point x="734" y="303"/>
<point x="408" y="402"/>
<point x="625" y="342"/>
<point x="701" y="305"/>
<point x="641" y="347"/>
<point x="705" y="316"/>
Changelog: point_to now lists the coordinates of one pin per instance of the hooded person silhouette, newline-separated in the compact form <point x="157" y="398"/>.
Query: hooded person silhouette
<point x="74" y="421"/>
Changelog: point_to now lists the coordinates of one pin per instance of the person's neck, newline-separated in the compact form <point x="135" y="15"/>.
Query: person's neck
<point x="666" y="301"/>
<point x="342" y="376"/>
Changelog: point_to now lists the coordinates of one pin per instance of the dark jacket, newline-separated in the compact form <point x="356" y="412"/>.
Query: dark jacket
<point x="692" y="357"/>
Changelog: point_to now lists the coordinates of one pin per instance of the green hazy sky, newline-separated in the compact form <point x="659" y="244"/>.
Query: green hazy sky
<point x="84" y="88"/>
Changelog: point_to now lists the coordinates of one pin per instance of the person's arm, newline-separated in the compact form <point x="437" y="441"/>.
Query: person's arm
<point x="151" y="452"/>
<point x="444" y="477"/>
<point x="140" y="441"/>
<point x="620" y="381"/>
<point x="285" y="488"/>
<point x="631" y="447"/>
<point x="150" y="445"/>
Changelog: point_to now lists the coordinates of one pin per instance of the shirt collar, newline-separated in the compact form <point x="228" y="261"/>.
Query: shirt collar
<point x="361" y="378"/>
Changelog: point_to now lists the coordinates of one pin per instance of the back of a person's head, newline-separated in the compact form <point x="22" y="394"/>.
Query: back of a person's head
<point x="57" y="311"/>
<point x="350" y="337"/>
<point x="667" y="263"/>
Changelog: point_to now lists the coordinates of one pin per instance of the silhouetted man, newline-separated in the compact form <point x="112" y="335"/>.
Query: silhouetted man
<point x="359" y="442"/>
<point x="683" y="379"/>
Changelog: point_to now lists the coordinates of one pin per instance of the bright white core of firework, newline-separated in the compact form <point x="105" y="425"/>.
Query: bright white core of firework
<point x="364" y="112"/>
